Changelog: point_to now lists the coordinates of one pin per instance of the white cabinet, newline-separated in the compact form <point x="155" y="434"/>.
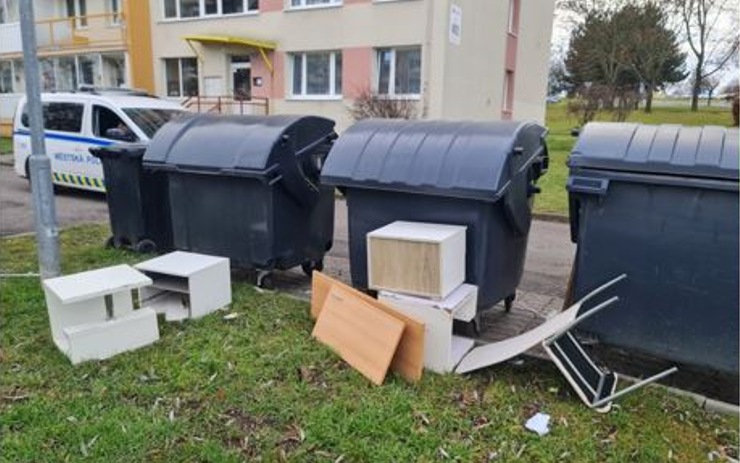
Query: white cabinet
<point x="442" y="350"/>
<point x="422" y="259"/>
<point x="186" y="285"/>
<point x="92" y="314"/>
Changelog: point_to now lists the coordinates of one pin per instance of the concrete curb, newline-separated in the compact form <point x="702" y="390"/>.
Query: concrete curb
<point x="710" y="405"/>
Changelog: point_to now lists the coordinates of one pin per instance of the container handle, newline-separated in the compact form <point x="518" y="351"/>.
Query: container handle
<point x="587" y="185"/>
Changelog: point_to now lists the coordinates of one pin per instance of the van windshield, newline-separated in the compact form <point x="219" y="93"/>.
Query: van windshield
<point x="150" y="120"/>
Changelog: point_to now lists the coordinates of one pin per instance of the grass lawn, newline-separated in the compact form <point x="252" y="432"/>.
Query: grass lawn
<point x="554" y="198"/>
<point x="258" y="386"/>
<point x="6" y="145"/>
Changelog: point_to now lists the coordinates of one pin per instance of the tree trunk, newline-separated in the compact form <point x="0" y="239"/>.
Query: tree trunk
<point x="696" y="87"/>
<point x="648" y="98"/>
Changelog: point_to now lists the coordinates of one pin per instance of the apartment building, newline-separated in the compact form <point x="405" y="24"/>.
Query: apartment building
<point x="461" y="59"/>
<point x="97" y="42"/>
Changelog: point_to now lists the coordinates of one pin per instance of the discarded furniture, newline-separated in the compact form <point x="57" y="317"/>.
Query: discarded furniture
<point x="594" y="386"/>
<point x="362" y="335"/>
<point x="424" y="259"/>
<point x="255" y="197"/>
<point x="660" y="203"/>
<point x="408" y="360"/>
<point x="92" y="313"/>
<point x="442" y="349"/>
<point x="478" y="174"/>
<point x="186" y="285"/>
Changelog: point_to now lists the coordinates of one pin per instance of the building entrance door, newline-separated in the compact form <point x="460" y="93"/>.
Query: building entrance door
<point x="241" y="77"/>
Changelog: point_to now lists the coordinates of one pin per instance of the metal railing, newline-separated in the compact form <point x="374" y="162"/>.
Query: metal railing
<point x="93" y="30"/>
<point x="228" y="104"/>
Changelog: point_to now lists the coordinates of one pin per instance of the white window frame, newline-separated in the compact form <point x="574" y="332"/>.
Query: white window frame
<point x="78" y="22"/>
<point x="392" y="75"/>
<point x="180" y="80"/>
<point x="332" y="95"/>
<point x="303" y="6"/>
<point x="202" y="11"/>
<point x="115" y="18"/>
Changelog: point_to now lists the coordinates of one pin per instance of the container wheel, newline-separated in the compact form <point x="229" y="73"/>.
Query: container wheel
<point x="145" y="246"/>
<point x="110" y="243"/>
<point x="310" y="265"/>
<point x="509" y="302"/>
<point x="265" y="280"/>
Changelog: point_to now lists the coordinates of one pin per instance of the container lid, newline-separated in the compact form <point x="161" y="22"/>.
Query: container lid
<point x="474" y="160"/>
<point x="704" y="152"/>
<point x="215" y="142"/>
<point x="119" y="150"/>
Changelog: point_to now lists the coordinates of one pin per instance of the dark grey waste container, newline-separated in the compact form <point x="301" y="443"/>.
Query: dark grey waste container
<point x="247" y="187"/>
<point x="660" y="203"/>
<point x="478" y="174"/>
<point x="138" y="205"/>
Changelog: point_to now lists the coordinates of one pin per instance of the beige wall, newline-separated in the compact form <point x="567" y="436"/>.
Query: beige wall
<point x="473" y="71"/>
<point x="533" y="54"/>
<point x="458" y="81"/>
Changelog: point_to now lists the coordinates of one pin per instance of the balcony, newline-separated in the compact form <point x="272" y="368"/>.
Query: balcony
<point x="104" y="30"/>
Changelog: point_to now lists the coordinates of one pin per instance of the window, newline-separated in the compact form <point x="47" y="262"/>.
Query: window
<point x="88" y="70"/>
<point x="183" y="9"/>
<point x="149" y="120"/>
<point x="399" y="71"/>
<point x="6" y="77"/>
<point x="66" y="73"/>
<point x="316" y="74"/>
<point x="114" y="70"/>
<point x="9" y="11"/>
<point x="77" y="9"/>
<point x="313" y="3"/>
<point x="508" y="96"/>
<point x="63" y="117"/>
<point x="114" y="8"/>
<point x="181" y="76"/>
<point x="105" y="119"/>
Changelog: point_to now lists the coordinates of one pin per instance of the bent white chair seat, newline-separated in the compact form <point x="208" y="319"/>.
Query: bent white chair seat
<point x="594" y="386"/>
<point x="497" y="352"/>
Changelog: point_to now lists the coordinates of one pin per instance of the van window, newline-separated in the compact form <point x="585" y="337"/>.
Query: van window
<point x="105" y="119"/>
<point x="150" y="120"/>
<point x="63" y="117"/>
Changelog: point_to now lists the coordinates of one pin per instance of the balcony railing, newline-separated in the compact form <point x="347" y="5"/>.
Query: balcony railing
<point x="104" y="30"/>
<point x="93" y="30"/>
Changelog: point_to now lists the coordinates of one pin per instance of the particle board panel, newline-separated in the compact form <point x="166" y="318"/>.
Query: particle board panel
<point x="409" y="358"/>
<point x="405" y="266"/>
<point x="365" y="337"/>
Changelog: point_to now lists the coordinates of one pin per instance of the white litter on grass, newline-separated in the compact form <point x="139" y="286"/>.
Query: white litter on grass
<point x="539" y="423"/>
<point x="231" y="316"/>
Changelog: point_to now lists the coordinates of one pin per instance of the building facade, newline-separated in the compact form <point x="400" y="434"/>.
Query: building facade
<point x="105" y="43"/>
<point x="456" y="59"/>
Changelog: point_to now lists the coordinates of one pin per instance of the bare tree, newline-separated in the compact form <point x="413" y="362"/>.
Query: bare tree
<point x="713" y="48"/>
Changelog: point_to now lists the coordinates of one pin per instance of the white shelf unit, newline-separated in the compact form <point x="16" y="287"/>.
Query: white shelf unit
<point x="92" y="314"/>
<point x="442" y="350"/>
<point x="423" y="259"/>
<point x="186" y="284"/>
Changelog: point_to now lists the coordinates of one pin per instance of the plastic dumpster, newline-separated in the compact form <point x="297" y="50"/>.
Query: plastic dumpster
<point x="660" y="203"/>
<point x="247" y="188"/>
<point x="138" y="206"/>
<point x="478" y="174"/>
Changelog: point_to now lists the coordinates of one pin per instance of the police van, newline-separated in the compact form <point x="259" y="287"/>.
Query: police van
<point x="77" y="121"/>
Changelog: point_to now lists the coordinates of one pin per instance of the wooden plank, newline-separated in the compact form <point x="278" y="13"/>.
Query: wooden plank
<point x="362" y="335"/>
<point x="409" y="359"/>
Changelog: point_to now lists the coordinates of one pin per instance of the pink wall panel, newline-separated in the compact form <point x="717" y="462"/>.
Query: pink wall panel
<point x="356" y="70"/>
<point x="271" y="5"/>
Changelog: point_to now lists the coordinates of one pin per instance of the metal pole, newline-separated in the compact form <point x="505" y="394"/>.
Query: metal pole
<point x="39" y="165"/>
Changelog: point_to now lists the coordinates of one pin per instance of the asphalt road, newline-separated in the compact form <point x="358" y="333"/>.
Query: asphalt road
<point x="549" y="255"/>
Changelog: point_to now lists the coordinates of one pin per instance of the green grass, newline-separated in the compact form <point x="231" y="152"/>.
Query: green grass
<point x="6" y="145"/>
<point x="258" y="386"/>
<point x="554" y="198"/>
